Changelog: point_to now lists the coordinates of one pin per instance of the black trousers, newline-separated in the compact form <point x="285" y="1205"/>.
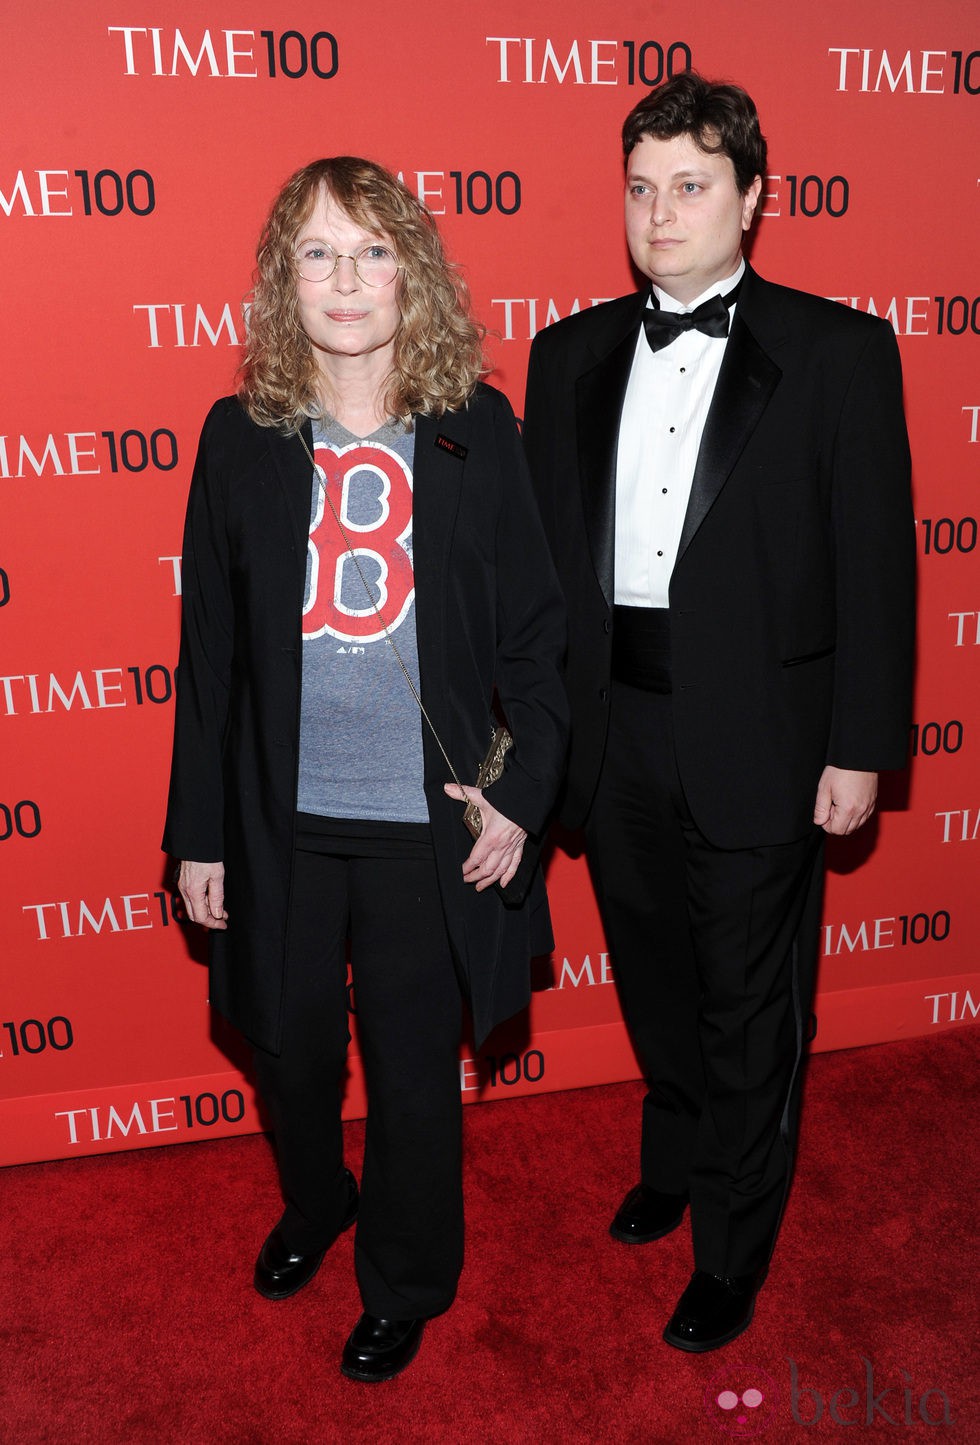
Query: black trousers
<point x="409" y="1242"/>
<point x="714" y="955"/>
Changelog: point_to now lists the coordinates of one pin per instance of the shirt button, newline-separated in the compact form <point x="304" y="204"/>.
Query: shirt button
<point x="607" y="626"/>
<point x="660" y="554"/>
<point x="673" y="429"/>
<point x="664" y="490"/>
<point x="603" y="694"/>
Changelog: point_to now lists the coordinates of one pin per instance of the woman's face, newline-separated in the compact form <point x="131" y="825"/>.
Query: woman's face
<point x="343" y="316"/>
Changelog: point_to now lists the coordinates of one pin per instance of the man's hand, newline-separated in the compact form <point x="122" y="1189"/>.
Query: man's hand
<point x="202" y="887"/>
<point x="496" y="854"/>
<point x="845" y="799"/>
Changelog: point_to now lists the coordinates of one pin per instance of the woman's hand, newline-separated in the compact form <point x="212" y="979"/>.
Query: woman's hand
<point x="496" y="854"/>
<point x="202" y="887"/>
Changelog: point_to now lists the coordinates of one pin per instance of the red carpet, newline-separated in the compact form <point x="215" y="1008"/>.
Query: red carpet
<point x="129" y="1316"/>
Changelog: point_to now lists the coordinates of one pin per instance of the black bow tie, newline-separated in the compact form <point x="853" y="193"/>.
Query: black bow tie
<point x="711" y="317"/>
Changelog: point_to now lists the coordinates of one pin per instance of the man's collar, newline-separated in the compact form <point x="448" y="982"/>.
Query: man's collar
<point x="718" y="288"/>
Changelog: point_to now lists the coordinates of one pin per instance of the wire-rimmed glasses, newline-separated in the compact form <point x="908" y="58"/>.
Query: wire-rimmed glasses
<point x="374" y="263"/>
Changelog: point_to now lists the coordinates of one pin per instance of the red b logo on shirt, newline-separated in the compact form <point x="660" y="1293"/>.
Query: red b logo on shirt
<point x="380" y="545"/>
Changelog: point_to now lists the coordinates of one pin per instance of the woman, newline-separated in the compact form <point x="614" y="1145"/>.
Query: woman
<point x="305" y="776"/>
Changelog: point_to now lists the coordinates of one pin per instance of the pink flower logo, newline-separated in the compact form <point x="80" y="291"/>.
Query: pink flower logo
<point x="741" y="1400"/>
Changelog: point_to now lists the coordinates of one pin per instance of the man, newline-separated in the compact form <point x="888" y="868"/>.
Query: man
<point x="723" y="471"/>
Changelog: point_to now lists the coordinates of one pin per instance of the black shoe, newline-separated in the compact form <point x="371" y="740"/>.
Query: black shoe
<point x="278" y="1273"/>
<point x="378" y="1349"/>
<point x="712" y="1311"/>
<point x="646" y="1214"/>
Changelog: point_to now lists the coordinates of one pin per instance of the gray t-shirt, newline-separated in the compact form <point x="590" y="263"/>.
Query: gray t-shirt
<point x="360" y="733"/>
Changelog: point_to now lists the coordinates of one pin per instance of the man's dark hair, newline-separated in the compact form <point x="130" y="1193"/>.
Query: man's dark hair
<point x="721" y="119"/>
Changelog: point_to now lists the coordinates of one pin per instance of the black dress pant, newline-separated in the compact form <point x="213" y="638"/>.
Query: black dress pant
<point x="714" y="953"/>
<point x="409" y="1242"/>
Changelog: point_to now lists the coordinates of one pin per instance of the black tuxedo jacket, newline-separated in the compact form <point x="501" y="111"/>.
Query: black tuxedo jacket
<point x="791" y="601"/>
<point x="488" y="614"/>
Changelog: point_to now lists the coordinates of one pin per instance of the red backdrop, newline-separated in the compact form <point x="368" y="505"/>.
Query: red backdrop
<point x="142" y="146"/>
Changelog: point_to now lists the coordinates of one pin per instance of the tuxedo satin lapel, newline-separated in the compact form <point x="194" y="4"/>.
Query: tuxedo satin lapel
<point x="599" y="395"/>
<point x="746" y="381"/>
<point x="296" y="478"/>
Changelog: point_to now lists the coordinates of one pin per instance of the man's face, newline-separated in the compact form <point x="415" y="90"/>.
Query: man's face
<point x="684" y="215"/>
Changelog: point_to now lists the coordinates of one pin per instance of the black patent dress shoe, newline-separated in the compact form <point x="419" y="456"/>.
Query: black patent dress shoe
<point x="647" y="1214"/>
<point x="279" y="1273"/>
<point x="378" y="1349"/>
<point x="712" y="1311"/>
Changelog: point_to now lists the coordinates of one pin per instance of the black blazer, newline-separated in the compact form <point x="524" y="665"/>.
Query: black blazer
<point x="489" y="613"/>
<point x="791" y="601"/>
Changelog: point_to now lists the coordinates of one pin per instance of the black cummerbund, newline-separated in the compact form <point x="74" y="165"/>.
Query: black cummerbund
<point x="641" y="647"/>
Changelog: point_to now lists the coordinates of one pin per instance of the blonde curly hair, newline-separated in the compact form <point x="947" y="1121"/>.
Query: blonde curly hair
<point x="438" y="347"/>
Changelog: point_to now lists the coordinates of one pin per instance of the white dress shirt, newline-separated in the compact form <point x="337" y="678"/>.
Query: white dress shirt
<point x="664" y="412"/>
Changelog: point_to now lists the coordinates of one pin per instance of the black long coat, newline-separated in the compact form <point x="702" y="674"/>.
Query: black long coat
<point x="489" y="614"/>
<point x="792" y="597"/>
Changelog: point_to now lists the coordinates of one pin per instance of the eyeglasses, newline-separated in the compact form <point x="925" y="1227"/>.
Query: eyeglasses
<point x="375" y="265"/>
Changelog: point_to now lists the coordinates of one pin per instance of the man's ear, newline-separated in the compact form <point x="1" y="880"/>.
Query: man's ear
<point x="749" y="202"/>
